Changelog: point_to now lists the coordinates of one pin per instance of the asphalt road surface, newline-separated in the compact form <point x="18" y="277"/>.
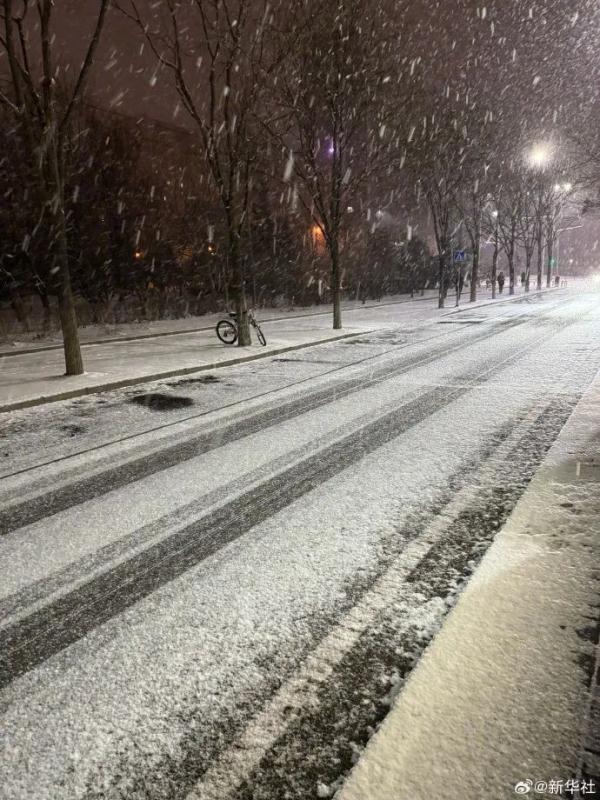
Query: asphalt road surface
<point x="214" y="587"/>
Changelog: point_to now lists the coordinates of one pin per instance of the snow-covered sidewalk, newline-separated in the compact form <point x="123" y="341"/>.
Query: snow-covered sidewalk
<point x="147" y="329"/>
<point x="504" y="701"/>
<point x="109" y="333"/>
<point x="31" y="378"/>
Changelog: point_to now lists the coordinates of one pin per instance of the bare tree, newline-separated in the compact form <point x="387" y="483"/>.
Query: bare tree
<point x="559" y="196"/>
<point x="547" y="200"/>
<point x="508" y="207"/>
<point x="471" y="205"/>
<point x="491" y="229"/>
<point x="219" y="56"/>
<point x="435" y="158"/>
<point x="527" y="221"/>
<point x="540" y="200"/>
<point x="43" y="119"/>
<point x="479" y="176"/>
<point x="331" y="121"/>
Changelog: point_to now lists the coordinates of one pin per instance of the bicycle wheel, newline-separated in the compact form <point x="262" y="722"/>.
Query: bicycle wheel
<point x="227" y="332"/>
<point x="260" y="335"/>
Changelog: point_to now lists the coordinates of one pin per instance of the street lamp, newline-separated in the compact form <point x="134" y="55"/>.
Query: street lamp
<point x="540" y="155"/>
<point x="495" y="256"/>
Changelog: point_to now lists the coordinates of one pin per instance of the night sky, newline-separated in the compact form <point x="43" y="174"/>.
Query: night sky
<point x="538" y="57"/>
<point x="534" y="63"/>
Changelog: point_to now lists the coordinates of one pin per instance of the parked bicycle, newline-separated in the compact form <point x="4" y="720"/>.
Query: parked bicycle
<point x="227" y="329"/>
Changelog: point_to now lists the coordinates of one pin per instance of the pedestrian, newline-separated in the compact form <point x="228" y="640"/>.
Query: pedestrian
<point x="500" y="282"/>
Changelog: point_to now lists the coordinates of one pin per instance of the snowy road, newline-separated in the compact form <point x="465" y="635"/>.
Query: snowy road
<point x="213" y="587"/>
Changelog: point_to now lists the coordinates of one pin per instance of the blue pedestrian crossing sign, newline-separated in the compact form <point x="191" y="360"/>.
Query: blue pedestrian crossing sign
<point x="460" y="256"/>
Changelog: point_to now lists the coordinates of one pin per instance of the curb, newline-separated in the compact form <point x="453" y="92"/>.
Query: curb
<point x="120" y="384"/>
<point x="142" y="336"/>
<point x="496" y="302"/>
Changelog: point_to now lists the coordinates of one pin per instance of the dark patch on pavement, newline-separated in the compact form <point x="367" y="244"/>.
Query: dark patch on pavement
<point x="162" y="402"/>
<point x="73" y="430"/>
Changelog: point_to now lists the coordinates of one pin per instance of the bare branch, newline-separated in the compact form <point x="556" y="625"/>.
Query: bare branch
<point x="87" y="63"/>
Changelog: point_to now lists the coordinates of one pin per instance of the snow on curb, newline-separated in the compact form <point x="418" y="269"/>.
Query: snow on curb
<point x="183" y="331"/>
<point x="500" y="695"/>
<point x="497" y="301"/>
<point x="134" y="381"/>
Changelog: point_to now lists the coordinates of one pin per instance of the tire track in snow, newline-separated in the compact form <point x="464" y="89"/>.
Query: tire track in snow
<point x="272" y="745"/>
<point x="40" y="592"/>
<point x="40" y="506"/>
<point x="47" y="631"/>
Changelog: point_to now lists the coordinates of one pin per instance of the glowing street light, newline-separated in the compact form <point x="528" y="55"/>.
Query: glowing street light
<point x="540" y="155"/>
<point x="318" y="239"/>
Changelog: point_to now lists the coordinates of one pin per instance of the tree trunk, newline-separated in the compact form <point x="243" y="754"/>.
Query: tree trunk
<point x="540" y="257"/>
<point x="528" y="257"/>
<point x="475" y="272"/>
<point x="442" y="280"/>
<point x="47" y="316"/>
<point x="335" y="284"/>
<point x="550" y="254"/>
<point x="239" y="294"/>
<point x="68" y="321"/>
<point x="495" y="266"/>
<point x="511" y="273"/>
<point x="226" y="286"/>
<point x="66" y="305"/>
